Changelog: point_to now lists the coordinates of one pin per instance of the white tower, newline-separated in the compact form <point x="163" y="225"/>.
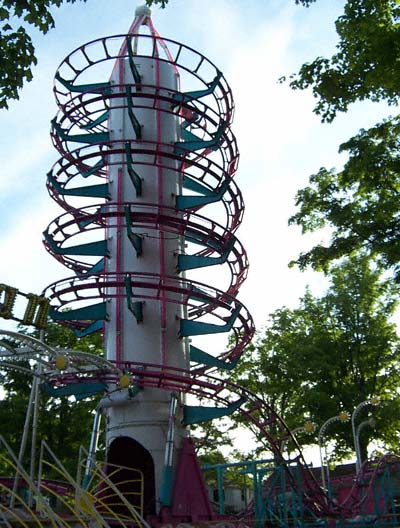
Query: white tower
<point x="158" y="156"/>
<point x="154" y="338"/>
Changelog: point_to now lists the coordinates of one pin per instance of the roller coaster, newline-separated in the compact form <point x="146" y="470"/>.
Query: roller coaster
<point x="286" y="491"/>
<point x="143" y="166"/>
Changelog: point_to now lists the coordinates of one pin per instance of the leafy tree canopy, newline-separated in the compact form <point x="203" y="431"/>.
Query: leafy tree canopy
<point x="360" y="202"/>
<point x="330" y="354"/>
<point x="365" y="65"/>
<point x="17" y="52"/>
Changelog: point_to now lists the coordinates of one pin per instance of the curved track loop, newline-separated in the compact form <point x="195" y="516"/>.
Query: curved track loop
<point x="202" y="302"/>
<point x="101" y="54"/>
<point x="201" y="118"/>
<point x="216" y="240"/>
<point x="15" y="347"/>
<point x="205" y="159"/>
<point x="71" y="173"/>
<point x="85" y="368"/>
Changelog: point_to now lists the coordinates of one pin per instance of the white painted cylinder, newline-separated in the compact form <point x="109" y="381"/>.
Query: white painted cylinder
<point x="155" y="340"/>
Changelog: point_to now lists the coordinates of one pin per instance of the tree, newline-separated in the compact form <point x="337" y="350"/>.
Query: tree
<point x="365" y="65"/>
<point x="330" y="354"/>
<point x="16" y="48"/>
<point x="64" y="424"/>
<point x="359" y="203"/>
<point x="209" y="438"/>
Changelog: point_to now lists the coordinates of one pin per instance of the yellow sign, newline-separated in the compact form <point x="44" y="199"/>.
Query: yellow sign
<point x="36" y="307"/>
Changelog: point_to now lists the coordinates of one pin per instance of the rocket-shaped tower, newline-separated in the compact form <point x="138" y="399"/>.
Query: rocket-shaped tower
<point x="147" y="155"/>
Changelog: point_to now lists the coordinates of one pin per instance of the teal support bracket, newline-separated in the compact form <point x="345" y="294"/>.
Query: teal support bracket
<point x="166" y="486"/>
<point x="198" y="294"/>
<point x="197" y="414"/>
<point x="91" y="329"/>
<point x="181" y="147"/>
<point x="198" y="238"/>
<point x="187" y="262"/>
<point x="134" y="176"/>
<point x="136" y="240"/>
<point x="221" y="491"/>
<point x="96" y="268"/>
<point x="199" y="356"/>
<point x="193" y="185"/>
<point x="95" y="312"/>
<point x="189" y="202"/>
<point x="136" y="307"/>
<point x="79" y="390"/>
<point x="132" y="65"/>
<point x="87" y="313"/>
<point x="137" y="127"/>
<point x="95" y="249"/>
<point x="91" y="191"/>
<point x="82" y="88"/>
<point x="197" y="94"/>
<point x="90" y="218"/>
<point x="96" y="137"/>
<point x="192" y="328"/>
<point x="98" y="121"/>
<point x="187" y="135"/>
<point x="94" y="169"/>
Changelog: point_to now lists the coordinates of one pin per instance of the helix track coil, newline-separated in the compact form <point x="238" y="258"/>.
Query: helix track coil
<point x="206" y="156"/>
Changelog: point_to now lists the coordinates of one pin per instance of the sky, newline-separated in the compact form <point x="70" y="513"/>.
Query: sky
<point x="281" y="141"/>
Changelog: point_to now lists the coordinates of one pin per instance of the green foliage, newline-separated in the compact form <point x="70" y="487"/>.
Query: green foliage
<point x="17" y="53"/>
<point x="59" y="336"/>
<point x="305" y="3"/>
<point x="64" y="424"/>
<point x="366" y="63"/>
<point x="210" y="437"/>
<point x="233" y="475"/>
<point x="330" y="354"/>
<point x="360" y="203"/>
<point x="161" y="3"/>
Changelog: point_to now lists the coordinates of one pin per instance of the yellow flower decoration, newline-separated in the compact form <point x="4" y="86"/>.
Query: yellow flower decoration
<point x="309" y="427"/>
<point x="344" y="416"/>
<point x="124" y="381"/>
<point x="375" y="400"/>
<point x="61" y="362"/>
